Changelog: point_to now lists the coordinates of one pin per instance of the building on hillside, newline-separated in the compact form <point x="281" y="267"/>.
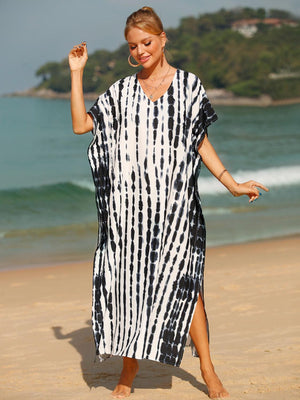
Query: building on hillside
<point x="248" y="27"/>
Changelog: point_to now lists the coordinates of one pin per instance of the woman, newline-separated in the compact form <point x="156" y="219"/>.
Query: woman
<point x="150" y="135"/>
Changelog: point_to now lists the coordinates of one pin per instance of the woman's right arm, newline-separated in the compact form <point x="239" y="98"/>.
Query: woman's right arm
<point x="81" y="121"/>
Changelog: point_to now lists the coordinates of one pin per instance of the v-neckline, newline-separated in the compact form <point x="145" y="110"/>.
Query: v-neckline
<point x="160" y="97"/>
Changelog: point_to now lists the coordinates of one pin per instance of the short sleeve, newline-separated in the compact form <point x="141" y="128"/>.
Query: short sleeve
<point x="203" y="113"/>
<point x="102" y="112"/>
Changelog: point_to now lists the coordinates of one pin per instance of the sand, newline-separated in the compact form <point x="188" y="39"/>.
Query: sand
<point x="252" y="300"/>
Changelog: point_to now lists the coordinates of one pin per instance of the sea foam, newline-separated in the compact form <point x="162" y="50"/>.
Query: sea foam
<point x="270" y="177"/>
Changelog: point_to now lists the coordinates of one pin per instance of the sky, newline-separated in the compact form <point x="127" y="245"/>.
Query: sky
<point x="34" y="32"/>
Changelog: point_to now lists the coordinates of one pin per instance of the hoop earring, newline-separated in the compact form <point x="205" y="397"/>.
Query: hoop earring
<point x="131" y="64"/>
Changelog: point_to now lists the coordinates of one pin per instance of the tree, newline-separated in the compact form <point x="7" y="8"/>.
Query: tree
<point x="274" y="13"/>
<point x="207" y="46"/>
<point x="48" y="70"/>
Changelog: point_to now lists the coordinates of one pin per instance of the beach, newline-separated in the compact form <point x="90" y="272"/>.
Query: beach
<point x="252" y="301"/>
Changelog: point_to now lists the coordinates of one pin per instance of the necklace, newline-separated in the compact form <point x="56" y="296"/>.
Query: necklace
<point x="156" y="87"/>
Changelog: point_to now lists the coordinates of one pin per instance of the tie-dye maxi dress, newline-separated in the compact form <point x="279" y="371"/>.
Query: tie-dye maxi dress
<point x="149" y="260"/>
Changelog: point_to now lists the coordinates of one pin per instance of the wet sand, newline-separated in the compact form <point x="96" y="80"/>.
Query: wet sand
<point x="252" y="299"/>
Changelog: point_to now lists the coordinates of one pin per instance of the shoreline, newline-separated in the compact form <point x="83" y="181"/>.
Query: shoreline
<point x="89" y="259"/>
<point x="219" y="97"/>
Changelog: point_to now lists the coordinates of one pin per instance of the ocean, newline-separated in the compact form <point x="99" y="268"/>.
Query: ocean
<point x="47" y="207"/>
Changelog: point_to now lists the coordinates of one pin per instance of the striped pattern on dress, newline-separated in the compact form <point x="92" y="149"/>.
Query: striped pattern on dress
<point x="149" y="260"/>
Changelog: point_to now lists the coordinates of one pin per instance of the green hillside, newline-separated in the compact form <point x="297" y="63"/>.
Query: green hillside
<point x="268" y="62"/>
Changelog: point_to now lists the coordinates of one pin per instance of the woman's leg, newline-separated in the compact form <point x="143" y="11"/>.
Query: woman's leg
<point x="129" y="371"/>
<point x="198" y="332"/>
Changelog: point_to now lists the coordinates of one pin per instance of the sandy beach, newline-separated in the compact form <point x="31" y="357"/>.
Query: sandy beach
<point x="252" y="299"/>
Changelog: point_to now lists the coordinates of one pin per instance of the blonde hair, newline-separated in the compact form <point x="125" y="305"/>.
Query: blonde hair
<point x="145" y="19"/>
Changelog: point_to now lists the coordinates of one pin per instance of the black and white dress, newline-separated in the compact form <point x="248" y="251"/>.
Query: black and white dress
<point x="149" y="261"/>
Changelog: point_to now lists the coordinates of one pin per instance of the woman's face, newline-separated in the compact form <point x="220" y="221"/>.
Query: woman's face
<point x="145" y="47"/>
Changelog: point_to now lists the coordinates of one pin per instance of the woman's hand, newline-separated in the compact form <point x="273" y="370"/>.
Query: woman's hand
<point x="78" y="57"/>
<point x="250" y="189"/>
<point x="215" y="166"/>
<point x="81" y="121"/>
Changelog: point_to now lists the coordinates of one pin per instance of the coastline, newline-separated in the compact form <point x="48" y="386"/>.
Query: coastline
<point x="251" y="298"/>
<point x="219" y="97"/>
<point x="68" y="259"/>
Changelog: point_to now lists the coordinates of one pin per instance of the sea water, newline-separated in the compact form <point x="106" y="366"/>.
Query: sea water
<point x="47" y="207"/>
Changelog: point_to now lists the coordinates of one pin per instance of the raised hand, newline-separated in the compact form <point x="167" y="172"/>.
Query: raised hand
<point x="78" y="57"/>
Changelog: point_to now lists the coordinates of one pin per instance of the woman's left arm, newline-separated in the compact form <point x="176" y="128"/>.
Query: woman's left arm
<point x="216" y="167"/>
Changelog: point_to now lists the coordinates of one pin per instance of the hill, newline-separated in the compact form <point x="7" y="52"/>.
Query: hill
<point x="249" y="52"/>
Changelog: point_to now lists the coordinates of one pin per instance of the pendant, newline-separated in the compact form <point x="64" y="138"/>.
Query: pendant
<point x="151" y="96"/>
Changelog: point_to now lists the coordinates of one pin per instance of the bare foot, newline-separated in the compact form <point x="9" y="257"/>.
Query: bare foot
<point x="215" y="388"/>
<point x="129" y="371"/>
